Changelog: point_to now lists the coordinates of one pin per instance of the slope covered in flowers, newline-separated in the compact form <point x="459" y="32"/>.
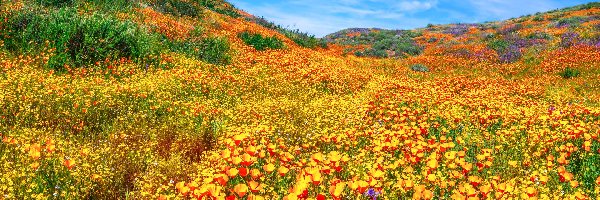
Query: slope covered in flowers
<point x="188" y="109"/>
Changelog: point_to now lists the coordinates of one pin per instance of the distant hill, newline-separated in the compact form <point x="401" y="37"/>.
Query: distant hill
<point x="568" y="26"/>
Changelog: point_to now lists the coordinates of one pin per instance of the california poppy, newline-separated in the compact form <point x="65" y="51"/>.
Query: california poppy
<point x="240" y="190"/>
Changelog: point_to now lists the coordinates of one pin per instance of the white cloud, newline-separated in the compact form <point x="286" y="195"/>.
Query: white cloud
<point x="416" y="5"/>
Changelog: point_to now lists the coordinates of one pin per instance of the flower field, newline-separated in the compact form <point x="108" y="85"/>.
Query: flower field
<point x="169" y="99"/>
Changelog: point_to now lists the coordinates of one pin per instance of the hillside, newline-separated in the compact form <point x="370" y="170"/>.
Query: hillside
<point x="195" y="99"/>
<point x="509" y="39"/>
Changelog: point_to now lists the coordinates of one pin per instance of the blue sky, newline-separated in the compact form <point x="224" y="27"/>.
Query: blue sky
<point x="321" y="17"/>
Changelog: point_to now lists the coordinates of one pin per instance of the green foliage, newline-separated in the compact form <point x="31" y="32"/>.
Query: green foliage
<point x="399" y="46"/>
<point x="538" y="18"/>
<point x="114" y="5"/>
<point x="260" y="42"/>
<point x="56" y="3"/>
<point x="176" y="7"/>
<point x="498" y="45"/>
<point x="568" y="73"/>
<point x="539" y="36"/>
<point x="419" y="68"/>
<point x="212" y="50"/>
<point x="219" y="7"/>
<point x="78" y="41"/>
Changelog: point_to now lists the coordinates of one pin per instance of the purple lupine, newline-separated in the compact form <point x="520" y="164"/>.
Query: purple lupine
<point x="511" y="54"/>
<point x="510" y="29"/>
<point x="458" y="29"/>
<point x="593" y="41"/>
<point x="569" y="39"/>
<point x="520" y="42"/>
<point x="372" y="193"/>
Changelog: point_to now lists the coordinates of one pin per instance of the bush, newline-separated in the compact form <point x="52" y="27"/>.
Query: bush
<point x="260" y="42"/>
<point x="211" y="50"/>
<point x="419" y="68"/>
<point x="220" y="7"/>
<point x="56" y="3"/>
<point x="568" y="73"/>
<point x="538" y="18"/>
<point x="176" y="7"/>
<point x="399" y="44"/>
<point x="78" y="41"/>
<point x="114" y="5"/>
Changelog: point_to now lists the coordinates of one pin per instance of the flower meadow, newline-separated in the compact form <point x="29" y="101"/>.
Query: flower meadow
<point x="170" y="99"/>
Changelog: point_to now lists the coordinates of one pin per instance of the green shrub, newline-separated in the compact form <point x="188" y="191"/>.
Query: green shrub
<point x="214" y="50"/>
<point x="419" y="68"/>
<point x="176" y="7"/>
<point x="211" y="50"/>
<point x="568" y="73"/>
<point x="78" y="41"/>
<point x="539" y="36"/>
<point x="106" y="5"/>
<point x="56" y="3"/>
<point x="400" y="46"/>
<point x="260" y="42"/>
<point x="220" y="7"/>
<point x="498" y="45"/>
<point x="114" y="5"/>
<point x="538" y="18"/>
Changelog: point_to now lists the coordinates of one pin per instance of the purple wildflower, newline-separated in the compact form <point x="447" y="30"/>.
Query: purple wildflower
<point x="510" y="55"/>
<point x="458" y="29"/>
<point x="372" y="193"/>
<point x="569" y="39"/>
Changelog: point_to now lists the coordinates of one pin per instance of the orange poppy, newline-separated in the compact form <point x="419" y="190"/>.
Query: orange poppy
<point x="232" y="172"/>
<point x="269" y="168"/>
<point x="35" y="151"/>
<point x="283" y="170"/>
<point x="255" y="186"/>
<point x="240" y="190"/>
<point x="69" y="163"/>
<point x="243" y="171"/>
